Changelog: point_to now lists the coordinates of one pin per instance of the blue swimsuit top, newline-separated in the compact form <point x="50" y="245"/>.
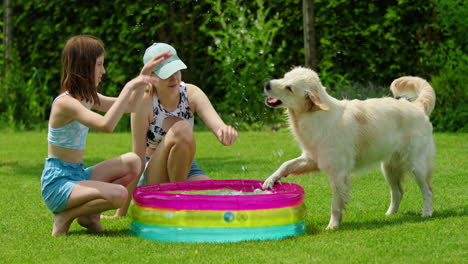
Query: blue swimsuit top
<point x="72" y="135"/>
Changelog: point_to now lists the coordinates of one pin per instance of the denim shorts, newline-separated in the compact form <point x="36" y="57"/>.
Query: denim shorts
<point x="58" y="180"/>
<point x="194" y="170"/>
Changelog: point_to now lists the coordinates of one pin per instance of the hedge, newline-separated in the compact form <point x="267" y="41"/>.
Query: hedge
<point x="232" y="47"/>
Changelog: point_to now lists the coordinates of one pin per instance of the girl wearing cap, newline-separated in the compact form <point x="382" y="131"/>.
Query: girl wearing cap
<point x="69" y="190"/>
<point x="162" y="127"/>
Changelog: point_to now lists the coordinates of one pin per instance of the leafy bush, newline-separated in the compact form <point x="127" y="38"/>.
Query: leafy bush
<point x="2" y="47"/>
<point x="244" y="59"/>
<point x="447" y="49"/>
<point x="451" y="109"/>
<point x="447" y="55"/>
<point x="370" y="41"/>
<point x="232" y="47"/>
<point x="24" y="96"/>
<point x="126" y="28"/>
<point x="358" y="91"/>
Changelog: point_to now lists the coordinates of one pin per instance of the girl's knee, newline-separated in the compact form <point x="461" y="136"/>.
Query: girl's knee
<point x="131" y="158"/>
<point x="182" y="131"/>
<point x="118" y="196"/>
<point x="132" y="164"/>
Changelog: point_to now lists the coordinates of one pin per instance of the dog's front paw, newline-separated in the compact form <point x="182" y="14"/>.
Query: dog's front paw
<point x="332" y="224"/>
<point x="268" y="184"/>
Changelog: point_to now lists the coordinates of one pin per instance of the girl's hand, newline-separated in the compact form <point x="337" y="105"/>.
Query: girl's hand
<point x="141" y="81"/>
<point x="227" y="135"/>
<point x="154" y="62"/>
<point x="145" y="78"/>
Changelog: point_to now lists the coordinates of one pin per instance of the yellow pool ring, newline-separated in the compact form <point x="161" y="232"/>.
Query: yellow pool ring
<point x="210" y="218"/>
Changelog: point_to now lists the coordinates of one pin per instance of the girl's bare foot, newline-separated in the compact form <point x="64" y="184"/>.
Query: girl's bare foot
<point x="110" y="216"/>
<point x="91" y="222"/>
<point x="61" y="225"/>
<point x="118" y="213"/>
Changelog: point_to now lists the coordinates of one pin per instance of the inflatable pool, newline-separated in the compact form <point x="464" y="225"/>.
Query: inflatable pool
<point x="217" y="211"/>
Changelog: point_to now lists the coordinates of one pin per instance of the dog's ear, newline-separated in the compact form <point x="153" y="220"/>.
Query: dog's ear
<point x="316" y="101"/>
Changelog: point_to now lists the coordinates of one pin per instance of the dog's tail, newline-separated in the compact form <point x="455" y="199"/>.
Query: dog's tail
<point x="416" y="90"/>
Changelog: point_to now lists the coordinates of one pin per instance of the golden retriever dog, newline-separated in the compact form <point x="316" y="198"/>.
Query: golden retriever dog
<point x="340" y="137"/>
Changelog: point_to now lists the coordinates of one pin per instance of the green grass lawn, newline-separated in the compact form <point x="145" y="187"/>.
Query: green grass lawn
<point x="365" y="236"/>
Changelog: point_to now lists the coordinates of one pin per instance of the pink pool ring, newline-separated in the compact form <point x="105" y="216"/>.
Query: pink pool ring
<point x="181" y="212"/>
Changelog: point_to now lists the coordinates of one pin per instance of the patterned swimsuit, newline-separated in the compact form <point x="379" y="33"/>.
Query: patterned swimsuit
<point x="155" y="132"/>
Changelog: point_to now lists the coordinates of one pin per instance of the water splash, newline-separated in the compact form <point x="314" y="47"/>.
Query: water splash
<point x="278" y="153"/>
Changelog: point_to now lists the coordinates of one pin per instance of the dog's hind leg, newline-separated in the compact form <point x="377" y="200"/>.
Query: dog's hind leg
<point x="394" y="175"/>
<point x="340" y="184"/>
<point x="423" y="177"/>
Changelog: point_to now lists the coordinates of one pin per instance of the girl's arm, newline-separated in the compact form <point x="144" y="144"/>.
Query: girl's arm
<point x="227" y="135"/>
<point x="108" y="101"/>
<point x="140" y="121"/>
<point x="108" y="122"/>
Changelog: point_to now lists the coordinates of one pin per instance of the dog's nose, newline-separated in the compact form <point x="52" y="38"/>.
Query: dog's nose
<point x="267" y="86"/>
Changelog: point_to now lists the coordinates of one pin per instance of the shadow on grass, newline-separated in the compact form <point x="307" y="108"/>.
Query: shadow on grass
<point x="207" y="163"/>
<point x="231" y="164"/>
<point x="311" y="230"/>
<point x="393" y="220"/>
<point x="16" y="168"/>
<point x="106" y="233"/>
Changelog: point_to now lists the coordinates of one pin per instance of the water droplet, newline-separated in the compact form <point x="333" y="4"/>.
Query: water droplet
<point x="278" y="153"/>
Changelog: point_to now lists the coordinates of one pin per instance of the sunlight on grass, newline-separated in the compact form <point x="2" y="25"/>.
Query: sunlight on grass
<point x="366" y="235"/>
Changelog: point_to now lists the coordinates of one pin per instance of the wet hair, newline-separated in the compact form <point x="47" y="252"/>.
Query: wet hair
<point x="78" y="67"/>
